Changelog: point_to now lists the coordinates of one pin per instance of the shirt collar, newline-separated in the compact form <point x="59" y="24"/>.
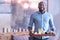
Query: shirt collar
<point x="40" y="12"/>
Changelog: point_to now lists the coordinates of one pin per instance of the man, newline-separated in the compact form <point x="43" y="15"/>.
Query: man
<point x="42" y="20"/>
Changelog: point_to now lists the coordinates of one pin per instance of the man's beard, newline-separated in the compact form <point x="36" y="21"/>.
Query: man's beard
<point x="42" y="10"/>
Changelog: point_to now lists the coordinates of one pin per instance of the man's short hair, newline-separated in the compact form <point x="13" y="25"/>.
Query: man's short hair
<point x="42" y="3"/>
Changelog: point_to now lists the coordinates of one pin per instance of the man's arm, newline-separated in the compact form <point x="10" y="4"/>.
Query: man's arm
<point x="51" y="23"/>
<point x="30" y="24"/>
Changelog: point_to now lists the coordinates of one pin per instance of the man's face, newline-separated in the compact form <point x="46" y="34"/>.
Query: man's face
<point x="41" y="7"/>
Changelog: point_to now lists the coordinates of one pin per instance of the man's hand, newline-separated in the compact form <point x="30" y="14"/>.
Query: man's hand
<point x="30" y="30"/>
<point x="53" y="31"/>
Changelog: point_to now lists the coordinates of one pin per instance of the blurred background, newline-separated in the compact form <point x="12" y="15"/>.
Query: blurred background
<point x="16" y="13"/>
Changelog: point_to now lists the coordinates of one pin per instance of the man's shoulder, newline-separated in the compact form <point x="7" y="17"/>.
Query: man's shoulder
<point x="34" y="13"/>
<point x="48" y="13"/>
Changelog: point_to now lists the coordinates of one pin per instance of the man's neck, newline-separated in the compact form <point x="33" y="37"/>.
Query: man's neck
<point x="42" y="12"/>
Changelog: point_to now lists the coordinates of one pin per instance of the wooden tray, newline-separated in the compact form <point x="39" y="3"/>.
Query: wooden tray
<point x="48" y="34"/>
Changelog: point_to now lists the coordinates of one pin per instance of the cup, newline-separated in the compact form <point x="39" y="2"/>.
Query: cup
<point x="40" y="31"/>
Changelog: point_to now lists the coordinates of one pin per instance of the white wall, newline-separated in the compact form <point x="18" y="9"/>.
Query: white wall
<point x="5" y="21"/>
<point x="54" y="8"/>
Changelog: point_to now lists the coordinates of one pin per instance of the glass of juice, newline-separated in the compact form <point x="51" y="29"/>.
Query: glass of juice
<point x="40" y="31"/>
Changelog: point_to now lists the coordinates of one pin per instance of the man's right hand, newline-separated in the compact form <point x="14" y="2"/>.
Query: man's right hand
<point x="30" y="31"/>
